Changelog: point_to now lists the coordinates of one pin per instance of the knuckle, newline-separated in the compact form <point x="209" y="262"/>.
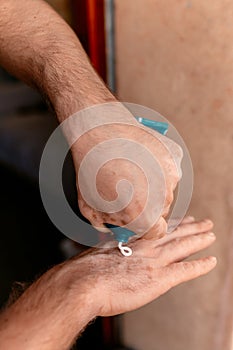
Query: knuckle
<point x="190" y="266"/>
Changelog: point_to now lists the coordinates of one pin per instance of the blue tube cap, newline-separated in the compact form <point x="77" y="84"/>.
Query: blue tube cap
<point x="121" y="234"/>
<point x="161" y="127"/>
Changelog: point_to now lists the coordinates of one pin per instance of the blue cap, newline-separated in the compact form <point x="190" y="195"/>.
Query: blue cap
<point x="121" y="234"/>
<point x="161" y="127"/>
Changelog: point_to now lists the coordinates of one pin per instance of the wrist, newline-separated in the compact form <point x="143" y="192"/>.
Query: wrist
<point x="67" y="103"/>
<point x="105" y="121"/>
<point x="91" y="280"/>
<point x="74" y="88"/>
<point x="77" y="283"/>
<point x="50" y="313"/>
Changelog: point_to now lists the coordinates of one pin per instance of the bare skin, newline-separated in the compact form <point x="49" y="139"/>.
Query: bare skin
<point x="116" y="169"/>
<point x="40" y="48"/>
<point x="54" y="310"/>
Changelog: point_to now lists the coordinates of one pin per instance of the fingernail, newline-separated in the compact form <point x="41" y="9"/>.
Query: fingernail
<point x="211" y="234"/>
<point x="213" y="259"/>
<point x="208" y="221"/>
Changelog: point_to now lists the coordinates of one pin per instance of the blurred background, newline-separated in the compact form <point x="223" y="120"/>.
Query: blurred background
<point x="177" y="58"/>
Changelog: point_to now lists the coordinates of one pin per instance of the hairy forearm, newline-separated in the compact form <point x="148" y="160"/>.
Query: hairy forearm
<point x="38" y="47"/>
<point x="50" y="313"/>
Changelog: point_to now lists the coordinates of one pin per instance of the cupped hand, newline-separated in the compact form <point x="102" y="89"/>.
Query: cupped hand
<point x="141" y="157"/>
<point x="119" y="284"/>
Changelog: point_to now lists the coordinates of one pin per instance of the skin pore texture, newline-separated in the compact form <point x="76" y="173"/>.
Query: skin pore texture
<point x="37" y="46"/>
<point x="100" y="282"/>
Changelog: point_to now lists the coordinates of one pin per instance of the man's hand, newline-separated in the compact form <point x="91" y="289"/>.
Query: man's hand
<point x="155" y="267"/>
<point x="118" y="148"/>
<point x="101" y="282"/>
<point x="47" y="54"/>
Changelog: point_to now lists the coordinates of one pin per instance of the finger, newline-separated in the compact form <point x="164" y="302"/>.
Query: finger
<point x="187" y="220"/>
<point x="101" y="228"/>
<point x="177" y="222"/>
<point x="193" y="227"/>
<point x="187" y="270"/>
<point x="182" y="247"/>
<point x="97" y="222"/>
<point x="93" y="216"/>
<point x="186" y="230"/>
<point x="157" y="231"/>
